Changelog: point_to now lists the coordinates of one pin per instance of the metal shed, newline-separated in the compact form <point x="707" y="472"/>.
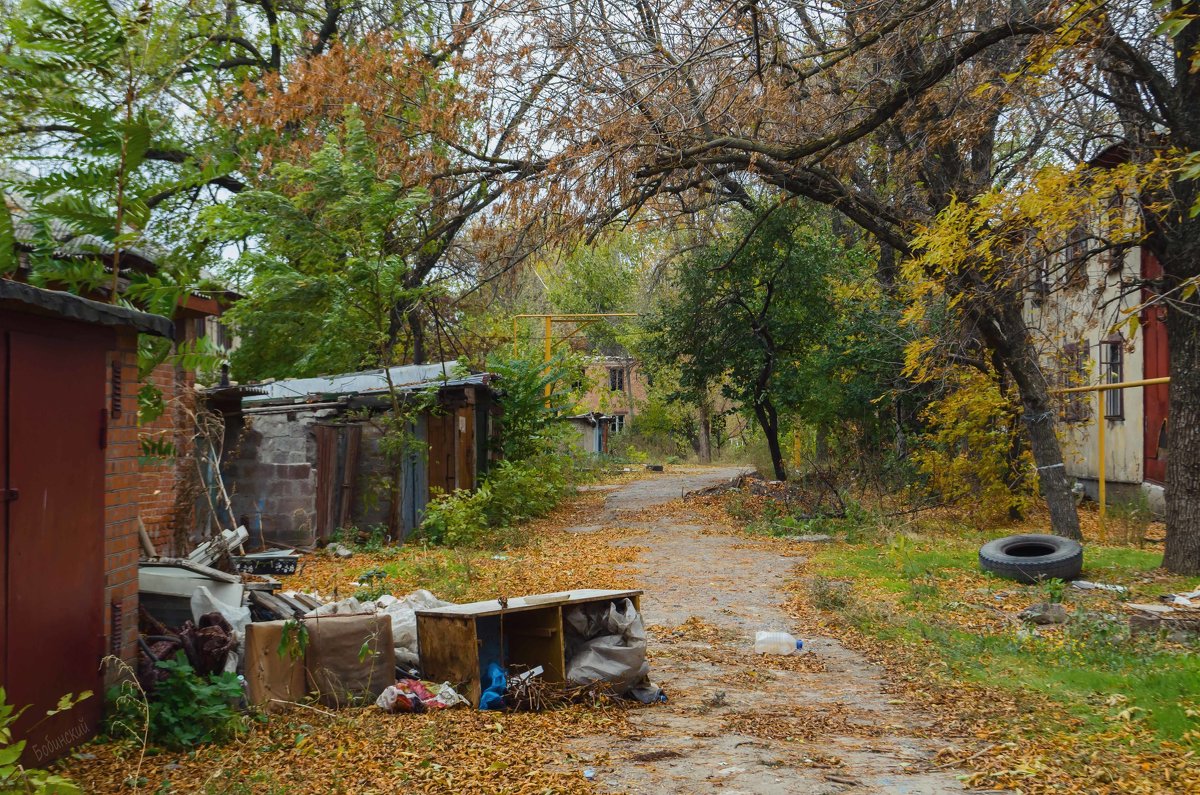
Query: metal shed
<point x="302" y="457"/>
<point x="60" y="546"/>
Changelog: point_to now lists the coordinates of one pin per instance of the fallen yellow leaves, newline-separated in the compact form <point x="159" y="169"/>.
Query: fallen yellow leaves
<point x="364" y="750"/>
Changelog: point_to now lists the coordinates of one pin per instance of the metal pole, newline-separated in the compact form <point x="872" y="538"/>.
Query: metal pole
<point x="549" y="347"/>
<point x="1100" y="440"/>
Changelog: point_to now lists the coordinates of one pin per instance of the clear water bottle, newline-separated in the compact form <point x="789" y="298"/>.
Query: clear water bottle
<point x="776" y="643"/>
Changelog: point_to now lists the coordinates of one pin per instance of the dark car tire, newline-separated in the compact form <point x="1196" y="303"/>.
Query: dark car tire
<point x="1032" y="558"/>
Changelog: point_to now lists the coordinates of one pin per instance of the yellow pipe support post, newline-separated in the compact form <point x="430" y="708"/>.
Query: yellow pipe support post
<point x="549" y="349"/>
<point x="1100" y="445"/>
<point x="1100" y="389"/>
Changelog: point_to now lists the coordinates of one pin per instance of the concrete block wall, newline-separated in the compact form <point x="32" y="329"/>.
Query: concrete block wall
<point x="272" y="474"/>
<point x="122" y="496"/>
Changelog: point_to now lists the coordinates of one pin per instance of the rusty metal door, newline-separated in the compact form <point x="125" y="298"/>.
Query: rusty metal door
<point x="1155" y="364"/>
<point x="54" y="417"/>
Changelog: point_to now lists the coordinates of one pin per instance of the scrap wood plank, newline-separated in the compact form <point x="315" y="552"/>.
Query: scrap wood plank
<point x="270" y="603"/>
<point x="263" y="584"/>
<point x="208" y="552"/>
<point x="193" y="567"/>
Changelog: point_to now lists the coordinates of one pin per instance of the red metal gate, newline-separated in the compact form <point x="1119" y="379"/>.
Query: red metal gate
<point x="52" y="517"/>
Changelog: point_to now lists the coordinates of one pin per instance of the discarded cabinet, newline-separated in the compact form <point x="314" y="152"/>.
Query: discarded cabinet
<point x="166" y="585"/>
<point x="458" y="642"/>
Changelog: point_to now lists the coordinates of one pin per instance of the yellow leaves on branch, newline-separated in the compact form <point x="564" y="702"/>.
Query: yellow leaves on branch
<point x="989" y="248"/>
<point x="968" y="450"/>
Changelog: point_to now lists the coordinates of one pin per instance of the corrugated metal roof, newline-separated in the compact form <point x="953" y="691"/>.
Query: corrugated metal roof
<point x="407" y="378"/>
<point x="71" y="243"/>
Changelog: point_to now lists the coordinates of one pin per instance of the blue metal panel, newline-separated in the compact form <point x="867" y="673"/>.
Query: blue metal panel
<point x="416" y="478"/>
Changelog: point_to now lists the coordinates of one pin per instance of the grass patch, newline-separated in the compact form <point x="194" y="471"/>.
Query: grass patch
<point x="445" y="572"/>
<point x="928" y="593"/>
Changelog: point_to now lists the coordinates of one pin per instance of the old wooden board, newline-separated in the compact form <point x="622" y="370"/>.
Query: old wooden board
<point x="492" y="607"/>
<point x="450" y="652"/>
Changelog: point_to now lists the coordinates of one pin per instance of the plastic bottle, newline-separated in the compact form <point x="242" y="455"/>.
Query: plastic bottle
<point x="776" y="643"/>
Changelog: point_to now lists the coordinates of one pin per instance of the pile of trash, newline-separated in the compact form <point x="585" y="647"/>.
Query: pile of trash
<point x="290" y="647"/>
<point x="402" y="613"/>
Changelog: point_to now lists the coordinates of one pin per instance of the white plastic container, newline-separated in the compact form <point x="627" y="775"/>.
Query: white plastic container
<point x="776" y="643"/>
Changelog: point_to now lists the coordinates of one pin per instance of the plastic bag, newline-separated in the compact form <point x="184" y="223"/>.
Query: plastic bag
<point x="618" y="656"/>
<point x="204" y="602"/>
<point x="413" y="695"/>
<point x="402" y="613"/>
<point x="493" y="695"/>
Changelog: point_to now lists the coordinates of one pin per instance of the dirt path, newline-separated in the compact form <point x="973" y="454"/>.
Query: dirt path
<point x="736" y="722"/>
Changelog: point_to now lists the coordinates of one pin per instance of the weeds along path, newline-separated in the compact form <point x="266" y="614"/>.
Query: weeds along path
<point x="737" y="722"/>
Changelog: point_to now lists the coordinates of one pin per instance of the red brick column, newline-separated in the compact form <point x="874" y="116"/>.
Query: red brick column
<point x="122" y="492"/>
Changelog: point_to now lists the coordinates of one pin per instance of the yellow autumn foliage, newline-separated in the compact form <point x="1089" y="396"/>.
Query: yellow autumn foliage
<point x="964" y="455"/>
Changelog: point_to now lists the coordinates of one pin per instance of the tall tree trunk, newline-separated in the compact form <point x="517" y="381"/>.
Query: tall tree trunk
<point x="1005" y="332"/>
<point x="1182" y="554"/>
<point x="417" y="329"/>
<point x="768" y="420"/>
<point x="704" y="435"/>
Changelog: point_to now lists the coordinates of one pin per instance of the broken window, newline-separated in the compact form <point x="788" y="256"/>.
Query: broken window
<point x="616" y="379"/>
<point x="618" y="423"/>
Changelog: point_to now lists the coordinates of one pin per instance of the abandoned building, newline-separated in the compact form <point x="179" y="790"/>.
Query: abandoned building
<point x="615" y="386"/>
<point x="591" y="431"/>
<point x="302" y="456"/>
<point x="1075" y="309"/>
<point x="71" y="493"/>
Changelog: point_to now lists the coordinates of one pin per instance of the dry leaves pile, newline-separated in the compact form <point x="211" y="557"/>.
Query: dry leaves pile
<point x="551" y="559"/>
<point x="822" y="720"/>
<point x="365" y="750"/>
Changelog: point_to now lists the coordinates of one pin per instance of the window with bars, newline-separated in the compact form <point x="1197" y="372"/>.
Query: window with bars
<point x="1112" y="371"/>
<point x="1074" y="373"/>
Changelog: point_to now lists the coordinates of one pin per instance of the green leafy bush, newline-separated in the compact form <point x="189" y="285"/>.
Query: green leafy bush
<point x="531" y="422"/>
<point x="13" y="776"/>
<point x="186" y="710"/>
<point x="512" y="492"/>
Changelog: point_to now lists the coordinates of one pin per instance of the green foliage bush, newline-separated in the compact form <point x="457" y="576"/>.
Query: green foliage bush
<point x="186" y="710"/>
<point x="512" y="492"/>
<point x="15" y="777"/>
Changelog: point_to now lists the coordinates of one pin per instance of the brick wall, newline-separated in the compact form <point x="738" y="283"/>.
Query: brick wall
<point x="122" y="491"/>
<point x="601" y="397"/>
<point x="167" y="522"/>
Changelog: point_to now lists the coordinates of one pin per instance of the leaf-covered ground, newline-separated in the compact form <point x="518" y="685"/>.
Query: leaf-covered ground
<point x="922" y="679"/>
<point x="1077" y="708"/>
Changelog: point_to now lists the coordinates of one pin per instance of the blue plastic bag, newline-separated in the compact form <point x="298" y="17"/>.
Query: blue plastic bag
<point x="493" y="695"/>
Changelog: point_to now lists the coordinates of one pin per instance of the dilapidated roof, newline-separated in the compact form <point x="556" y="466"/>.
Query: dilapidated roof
<point x="68" y="305"/>
<point x="407" y="378"/>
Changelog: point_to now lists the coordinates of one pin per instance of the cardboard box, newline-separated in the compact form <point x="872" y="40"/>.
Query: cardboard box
<point x="270" y="675"/>
<point x="350" y="658"/>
